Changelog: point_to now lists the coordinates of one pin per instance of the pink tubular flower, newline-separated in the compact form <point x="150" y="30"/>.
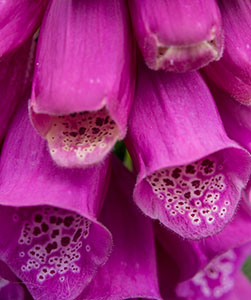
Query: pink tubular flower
<point x="83" y="82"/>
<point x="177" y="35"/>
<point x="217" y="279"/>
<point x="19" y="20"/>
<point x="192" y="256"/>
<point x="233" y="72"/>
<point x="190" y="173"/>
<point x="54" y="249"/>
<point x="130" y="272"/>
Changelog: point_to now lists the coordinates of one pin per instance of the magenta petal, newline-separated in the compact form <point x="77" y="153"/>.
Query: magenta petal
<point x="19" y="20"/>
<point x="192" y="256"/>
<point x="56" y="251"/>
<point x="190" y="174"/>
<point x="11" y="291"/>
<point x="235" y="116"/>
<point x="131" y="269"/>
<point x="217" y="279"/>
<point x="233" y="72"/>
<point x="84" y="80"/>
<point x="14" y="81"/>
<point x="241" y="290"/>
<point x="177" y="35"/>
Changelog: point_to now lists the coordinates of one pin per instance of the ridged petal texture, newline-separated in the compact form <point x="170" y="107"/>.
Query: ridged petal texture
<point x="19" y="20"/>
<point x="131" y="271"/>
<point x="233" y="72"/>
<point x="83" y="82"/>
<point x="49" y="233"/>
<point x="190" y="174"/>
<point x="177" y="35"/>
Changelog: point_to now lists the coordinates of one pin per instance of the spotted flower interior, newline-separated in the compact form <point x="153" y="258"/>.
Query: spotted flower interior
<point x="216" y="279"/>
<point x="81" y="138"/>
<point x="56" y="249"/>
<point x="195" y="199"/>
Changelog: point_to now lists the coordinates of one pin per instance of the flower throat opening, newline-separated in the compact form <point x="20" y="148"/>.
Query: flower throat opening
<point x="81" y="138"/>
<point x="194" y="191"/>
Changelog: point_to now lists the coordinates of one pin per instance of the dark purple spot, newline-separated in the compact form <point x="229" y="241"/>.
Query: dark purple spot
<point x="82" y="130"/>
<point x="44" y="227"/>
<point x="156" y="179"/>
<point x="73" y="115"/>
<point x="73" y="133"/>
<point x="77" y="235"/>
<point x="187" y="195"/>
<point x="38" y="218"/>
<point x="196" y="183"/>
<point x="50" y="247"/>
<point x="197" y="192"/>
<point x="55" y="232"/>
<point x="95" y="130"/>
<point x="190" y="169"/>
<point x="68" y="221"/>
<point x="168" y="182"/>
<point x="65" y="241"/>
<point x="176" y="173"/>
<point x="99" y="121"/>
<point x="52" y="272"/>
<point x="36" y="231"/>
<point x="106" y="120"/>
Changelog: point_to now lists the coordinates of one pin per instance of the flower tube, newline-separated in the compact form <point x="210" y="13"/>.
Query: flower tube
<point x="15" y="81"/>
<point x="217" y="279"/>
<point x="192" y="256"/>
<point x="232" y="73"/>
<point x="190" y="174"/>
<point x="19" y="20"/>
<point x="130" y="272"/>
<point x="84" y="79"/>
<point x="49" y="234"/>
<point x="177" y="35"/>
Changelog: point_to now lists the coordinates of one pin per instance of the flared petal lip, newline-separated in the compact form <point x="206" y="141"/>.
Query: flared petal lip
<point x="226" y="145"/>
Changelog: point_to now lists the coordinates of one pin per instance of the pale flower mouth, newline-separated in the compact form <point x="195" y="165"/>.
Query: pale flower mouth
<point x="81" y="138"/>
<point x="174" y="56"/>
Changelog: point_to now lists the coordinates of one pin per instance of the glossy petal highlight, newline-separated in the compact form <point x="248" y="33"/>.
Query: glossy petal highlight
<point x="190" y="174"/>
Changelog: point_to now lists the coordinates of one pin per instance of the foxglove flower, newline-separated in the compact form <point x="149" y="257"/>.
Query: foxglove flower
<point x="83" y="81"/>
<point x="19" y="20"/>
<point x="217" y="279"/>
<point x="49" y="233"/>
<point x="15" y="77"/>
<point x="190" y="174"/>
<point x="177" y="35"/>
<point x="233" y="72"/>
<point x="130" y="272"/>
<point x="192" y="256"/>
